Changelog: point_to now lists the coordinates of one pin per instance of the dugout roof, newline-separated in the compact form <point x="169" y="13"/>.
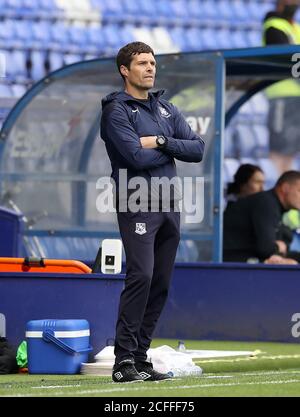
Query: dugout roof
<point x="51" y="154"/>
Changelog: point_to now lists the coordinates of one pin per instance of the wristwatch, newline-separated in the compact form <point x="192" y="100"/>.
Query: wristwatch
<point x="161" y="141"/>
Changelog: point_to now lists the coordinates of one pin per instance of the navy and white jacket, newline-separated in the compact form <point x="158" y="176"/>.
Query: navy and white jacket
<point x="126" y="119"/>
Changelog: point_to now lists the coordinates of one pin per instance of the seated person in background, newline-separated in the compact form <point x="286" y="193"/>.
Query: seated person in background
<point x="252" y="223"/>
<point x="248" y="179"/>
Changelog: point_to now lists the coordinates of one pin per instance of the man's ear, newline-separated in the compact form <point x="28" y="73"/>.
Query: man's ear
<point x="124" y="70"/>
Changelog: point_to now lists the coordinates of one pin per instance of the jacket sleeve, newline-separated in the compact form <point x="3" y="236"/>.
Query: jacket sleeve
<point x="116" y="127"/>
<point x="265" y="224"/>
<point x="186" y="145"/>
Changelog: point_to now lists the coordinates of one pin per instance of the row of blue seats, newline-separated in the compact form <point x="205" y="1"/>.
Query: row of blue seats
<point x="185" y="9"/>
<point x="85" y="249"/>
<point x="54" y="55"/>
<point x="92" y="40"/>
<point x="25" y="66"/>
<point x="147" y="9"/>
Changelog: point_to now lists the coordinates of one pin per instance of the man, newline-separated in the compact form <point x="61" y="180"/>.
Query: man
<point x="143" y="133"/>
<point x="280" y="28"/>
<point x="252" y="224"/>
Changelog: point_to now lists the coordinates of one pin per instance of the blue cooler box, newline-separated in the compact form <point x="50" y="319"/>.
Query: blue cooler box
<point x="57" y="346"/>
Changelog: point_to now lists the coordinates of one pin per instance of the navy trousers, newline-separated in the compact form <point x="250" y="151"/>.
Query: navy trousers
<point x="150" y="241"/>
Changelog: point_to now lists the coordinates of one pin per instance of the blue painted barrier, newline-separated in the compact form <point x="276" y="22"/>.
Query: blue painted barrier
<point x="206" y="301"/>
<point x="34" y="296"/>
<point x="232" y="302"/>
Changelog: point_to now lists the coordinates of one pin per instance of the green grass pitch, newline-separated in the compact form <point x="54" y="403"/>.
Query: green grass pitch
<point x="273" y="371"/>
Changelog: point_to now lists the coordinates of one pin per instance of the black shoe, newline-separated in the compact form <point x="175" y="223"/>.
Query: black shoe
<point x="146" y="371"/>
<point x="125" y="372"/>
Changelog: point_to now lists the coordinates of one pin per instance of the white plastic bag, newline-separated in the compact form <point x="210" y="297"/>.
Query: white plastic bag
<point x="167" y="360"/>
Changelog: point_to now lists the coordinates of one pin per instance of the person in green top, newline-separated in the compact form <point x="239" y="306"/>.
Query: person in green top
<point x="280" y="27"/>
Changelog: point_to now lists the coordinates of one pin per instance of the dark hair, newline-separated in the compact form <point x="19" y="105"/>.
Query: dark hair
<point x="289" y="177"/>
<point x="241" y="177"/>
<point x="125" y="54"/>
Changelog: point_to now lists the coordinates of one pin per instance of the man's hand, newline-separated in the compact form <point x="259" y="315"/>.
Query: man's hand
<point x="282" y="247"/>
<point x="280" y="260"/>
<point x="148" y="142"/>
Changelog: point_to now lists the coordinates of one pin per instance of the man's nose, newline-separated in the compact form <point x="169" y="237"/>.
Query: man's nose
<point x="150" y="68"/>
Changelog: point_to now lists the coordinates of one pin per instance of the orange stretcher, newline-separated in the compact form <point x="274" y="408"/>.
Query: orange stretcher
<point x="60" y="266"/>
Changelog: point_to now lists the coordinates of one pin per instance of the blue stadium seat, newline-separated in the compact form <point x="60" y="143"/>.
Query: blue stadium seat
<point x="37" y="65"/>
<point x="149" y="7"/>
<point x="261" y="133"/>
<point x="60" y="35"/>
<point x="257" y="10"/>
<point x="225" y="10"/>
<point x="72" y="58"/>
<point x="270" y="170"/>
<point x="244" y="142"/>
<point x="95" y="37"/>
<point x="126" y="33"/>
<point x="41" y="34"/>
<point x="208" y="39"/>
<point x="17" y="70"/>
<point x="180" y="10"/>
<point x="230" y="167"/>
<point x="254" y="38"/>
<point x="5" y="91"/>
<point x="18" y="90"/>
<point x="163" y="8"/>
<point x="111" y="35"/>
<point x="239" y="10"/>
<point x="78" y="35"/>
<point x="68" y="247"/>
<point x="178" y="37"/>
<point x="195" y="9"/>
<point x="109" y="8"/>
<point x="7" y="35"/>
<point x="23" y="31"/>
<point x="223" y="39"/>
<point x="239" y="39"/>
<point x="209" y="9"/>
<point x="193" y="39"/>
<point x="56" y="60"/>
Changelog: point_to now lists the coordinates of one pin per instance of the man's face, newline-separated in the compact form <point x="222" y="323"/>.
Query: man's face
<point x="141" y="73"/>
<point x="292" y="195"/>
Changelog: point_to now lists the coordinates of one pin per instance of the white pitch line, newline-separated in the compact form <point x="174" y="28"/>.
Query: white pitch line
<point x="141" y="389"/>
<point x="248" y="359"/>
<point x="55" y="386"/>
<point x="261" y="373"/>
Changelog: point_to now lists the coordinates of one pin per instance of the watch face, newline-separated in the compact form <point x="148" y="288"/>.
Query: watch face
<point x="160" y="140"/>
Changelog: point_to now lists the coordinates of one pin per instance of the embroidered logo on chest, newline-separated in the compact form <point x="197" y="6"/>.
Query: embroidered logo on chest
<point x="164" y="112"/>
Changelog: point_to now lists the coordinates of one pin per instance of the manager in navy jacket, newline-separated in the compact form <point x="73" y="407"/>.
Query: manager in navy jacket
<point x="143" y="134"/>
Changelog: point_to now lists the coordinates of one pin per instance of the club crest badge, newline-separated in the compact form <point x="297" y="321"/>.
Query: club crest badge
<point x="164" y="112"/>
<point x="140" y="228"/>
